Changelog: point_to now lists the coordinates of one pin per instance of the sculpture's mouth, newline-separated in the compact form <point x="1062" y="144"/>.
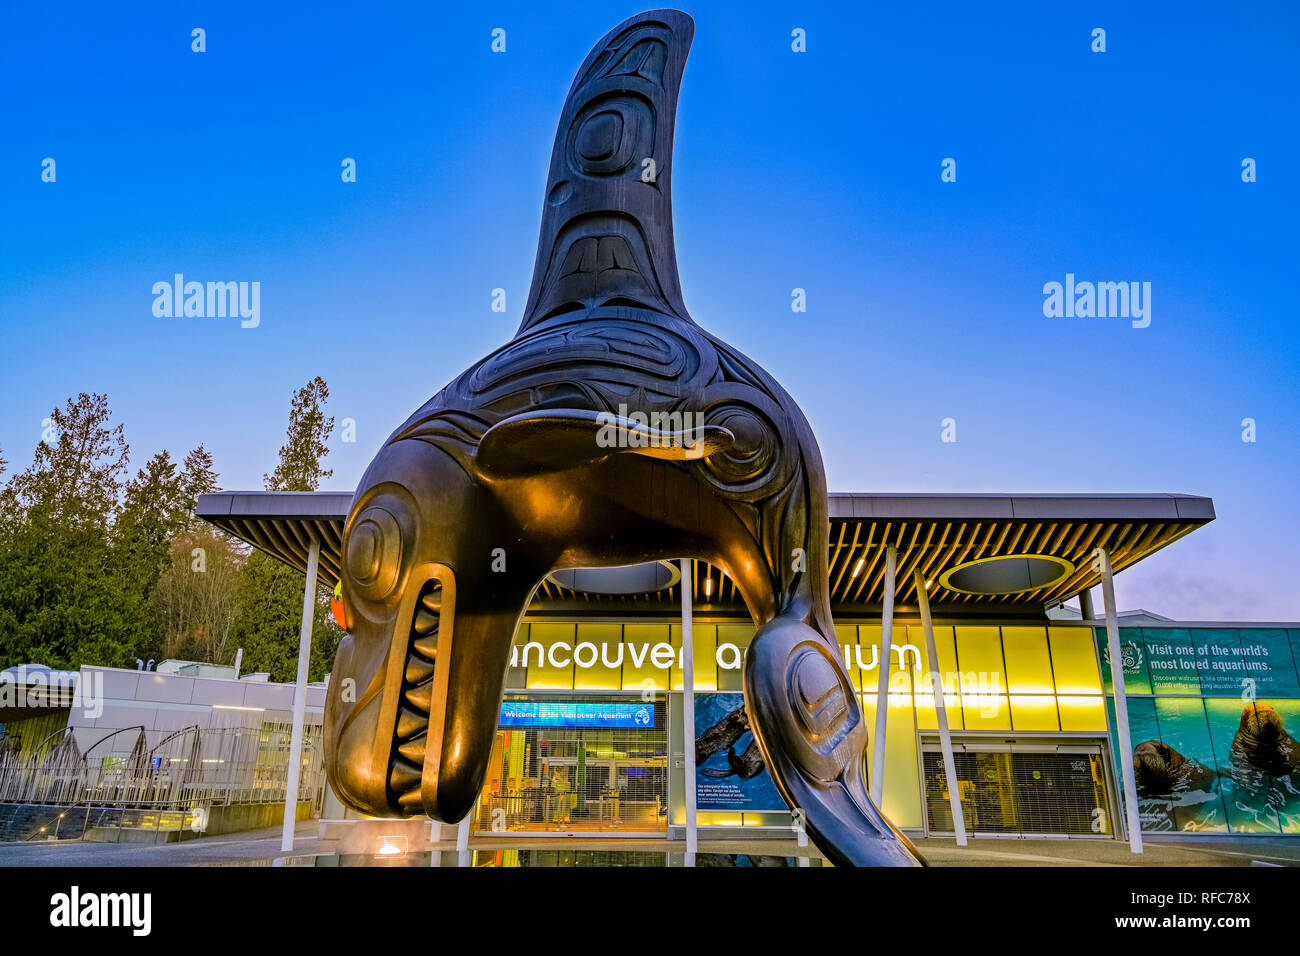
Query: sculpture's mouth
<point x="416" y="700"/>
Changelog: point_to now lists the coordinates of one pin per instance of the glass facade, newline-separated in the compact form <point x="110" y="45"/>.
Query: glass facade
<point x="1211" y="713"/>
<point x="576" y="772"/>
<point x="1021" y="790"/>
<point x="1030" y="708"/>
<point x="1004" y="682"/>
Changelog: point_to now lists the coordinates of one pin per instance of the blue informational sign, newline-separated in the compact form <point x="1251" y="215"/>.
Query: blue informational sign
<point x="537" y="713"/>
<point x="732" y="775"/>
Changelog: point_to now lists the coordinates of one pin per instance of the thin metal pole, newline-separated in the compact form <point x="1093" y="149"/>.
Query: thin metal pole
<point x="1121" y="703"/>
<point x="688" y="708"/>
<point x="300" y="698"/>
<point x="940" y="709"/>
<point x="882" y="678"/>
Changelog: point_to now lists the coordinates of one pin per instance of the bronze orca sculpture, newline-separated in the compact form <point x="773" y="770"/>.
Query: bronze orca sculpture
<point x="611" y="430"/>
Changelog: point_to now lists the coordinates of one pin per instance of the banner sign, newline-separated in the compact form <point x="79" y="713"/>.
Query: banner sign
<point x="533" y="713"/>
<point x="729" y="771"/>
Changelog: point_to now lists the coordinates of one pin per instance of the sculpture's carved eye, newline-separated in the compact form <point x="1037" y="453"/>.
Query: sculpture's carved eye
<point x="374" y="552"/>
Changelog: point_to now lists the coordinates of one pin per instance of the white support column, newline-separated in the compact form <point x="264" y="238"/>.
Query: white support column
<point x="300" y="697"/>
<point x="688" y="707"/>
<point x="883" y="658"/>
<point x="435" y="837"/>
<point x="462" y="841"/>
<point x="1125" y="757"/>
<point x="1085" y="605"/>
<point x="940" y="709"/>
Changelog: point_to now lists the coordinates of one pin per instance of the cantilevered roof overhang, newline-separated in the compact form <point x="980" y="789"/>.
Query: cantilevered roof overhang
<point x="935" y="533"/>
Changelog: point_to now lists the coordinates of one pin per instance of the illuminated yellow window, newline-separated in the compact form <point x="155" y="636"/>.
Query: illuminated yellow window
<point x="1074" y="661"/>
<point x="1081" y="713"/>
<point x="647" y="655"/>
<point x="914" y="650"/>
<point x="549" y="656"/>
<point x="718" y="818"/>
<point x="985" y="712"/>
<point x="596" y="657"/>
<point x="1029" y="666"/>
<point x="979" y="657"/>
<point x="927" y="718"/>
<point x="902" y="784"/>
<point x="1033" y="712"/>
<point x="733" y="639"/>
<point x="704" y="646"/>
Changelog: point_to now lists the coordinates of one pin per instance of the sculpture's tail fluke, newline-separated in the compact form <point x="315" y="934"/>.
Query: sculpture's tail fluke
<point x="607" y="227"/>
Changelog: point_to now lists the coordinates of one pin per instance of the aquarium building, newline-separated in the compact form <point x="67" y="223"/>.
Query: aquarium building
<point x="591" y="739"/>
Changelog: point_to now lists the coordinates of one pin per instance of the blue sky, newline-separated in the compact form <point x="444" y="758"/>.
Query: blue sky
<point x="818" y="170"/>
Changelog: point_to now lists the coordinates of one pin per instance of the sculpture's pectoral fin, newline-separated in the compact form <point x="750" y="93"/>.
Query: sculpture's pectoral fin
<point x="809" y="726"/>
<point x="555" y="439"/>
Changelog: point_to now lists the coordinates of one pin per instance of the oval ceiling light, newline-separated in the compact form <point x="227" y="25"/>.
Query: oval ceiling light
<point x="630" y="579"/>
<point x="1006" y="574"/>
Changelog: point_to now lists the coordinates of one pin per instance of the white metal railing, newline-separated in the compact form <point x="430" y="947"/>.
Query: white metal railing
<point x="225" y="765"/>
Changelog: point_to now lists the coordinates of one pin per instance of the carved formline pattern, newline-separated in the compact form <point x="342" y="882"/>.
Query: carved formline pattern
<point x="511" y="457"/>
<point x="606" y="236"/>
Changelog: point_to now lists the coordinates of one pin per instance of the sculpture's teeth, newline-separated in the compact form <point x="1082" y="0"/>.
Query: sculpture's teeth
<point x="425" y="621"/>
<point x="413" y="749"/>
<point x="404" y="775"/>
<point x="417" y="669"/>
<point x="411" y="800"/>
<point x="421" y="696"/>
<point x="410" y="723"/>
<point x="427" y="645"/>
<point x="432" y="599"/>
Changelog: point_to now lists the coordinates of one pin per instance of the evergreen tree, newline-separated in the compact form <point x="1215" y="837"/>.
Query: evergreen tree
<point x="64" y="600"/>
<point x="198" y="477"/>
<point x="269" y="618"/>
<point x="154" y="511"/>
<point x="305" y="447"/>
<point x="77" y="478"/>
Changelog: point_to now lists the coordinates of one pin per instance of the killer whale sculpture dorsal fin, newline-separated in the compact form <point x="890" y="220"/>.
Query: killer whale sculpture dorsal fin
<point x="607" y="228"/>
<point x="556" y="438"/>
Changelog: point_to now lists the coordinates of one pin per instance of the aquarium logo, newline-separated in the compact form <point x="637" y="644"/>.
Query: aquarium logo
<point x="1130" y="654"/>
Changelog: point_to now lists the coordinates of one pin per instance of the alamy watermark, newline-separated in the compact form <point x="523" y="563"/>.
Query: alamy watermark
<point x="650" y="429"/>
<point x="1103" y="300"/>
<point x="212" y="300"/>
<point x="24" y="686"/>
<point x="133" y="911"/>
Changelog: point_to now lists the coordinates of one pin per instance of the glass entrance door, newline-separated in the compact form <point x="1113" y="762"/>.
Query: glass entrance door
<point x="1018" y="789"/>
<point x="561" y="766"/>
